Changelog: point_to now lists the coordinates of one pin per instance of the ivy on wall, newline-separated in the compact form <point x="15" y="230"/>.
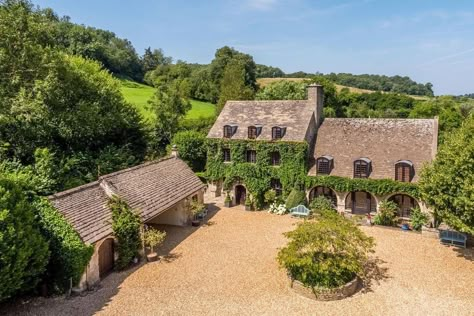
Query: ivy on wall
<point x="292" y="171"/>
<point x="257" y="176"/>
<point x="374" y="186"/>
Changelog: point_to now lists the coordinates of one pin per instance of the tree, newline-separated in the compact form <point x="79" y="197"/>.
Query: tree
<point x="325" y="253"/>
<point x="126" y="227"/>
<point x="170" y="107"/>
<point x="282" y="90"/>
<point x="263" y="71"/>
<point x="233" y="86"/>
<point x="191" y="148"/>
<point x="24" y="251"/>
<point x="152" y="59"/>
<point x="447" y="185"/>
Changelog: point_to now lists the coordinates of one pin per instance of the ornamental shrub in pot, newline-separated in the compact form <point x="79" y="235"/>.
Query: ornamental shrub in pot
<point x="196" y="209"/>
<point x="153" y="238"/>
<point x="387" y="214"/>
<point x="227" y="201"/>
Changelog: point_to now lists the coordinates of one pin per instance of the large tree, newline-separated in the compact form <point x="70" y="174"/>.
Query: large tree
<point x="447" y="184"/>
<point x="233" y="84"/>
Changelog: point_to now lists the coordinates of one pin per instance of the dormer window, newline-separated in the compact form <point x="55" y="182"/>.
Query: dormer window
<point x="324" y="164"/>
<point x="252" y="130"/>
<point x="229" y="130"/>
<point x="277" y="132"/>
<point x="404" y="171"/>
<point x="362" y="168"/>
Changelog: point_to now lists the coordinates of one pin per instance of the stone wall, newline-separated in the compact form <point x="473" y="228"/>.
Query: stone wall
<point x="323" y="294"/>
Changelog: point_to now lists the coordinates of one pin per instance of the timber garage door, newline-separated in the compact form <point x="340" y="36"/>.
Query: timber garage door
<point x="106" y="257"/>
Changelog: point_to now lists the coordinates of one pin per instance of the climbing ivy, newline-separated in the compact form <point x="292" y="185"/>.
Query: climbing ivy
<point x="374" y="186"/>
<point x="257" y="176"/>
<point x="292" y="171"/>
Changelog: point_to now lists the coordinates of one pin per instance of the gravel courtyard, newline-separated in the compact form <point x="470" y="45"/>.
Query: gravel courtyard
<point x="228" y="267"/>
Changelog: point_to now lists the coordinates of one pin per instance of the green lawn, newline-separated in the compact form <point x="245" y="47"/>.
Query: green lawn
<point x="138" y="94"/>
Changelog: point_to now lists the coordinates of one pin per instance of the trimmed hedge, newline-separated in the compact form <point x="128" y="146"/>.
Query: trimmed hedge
<point x="295" y="198"/>
<point x="69" y="255"/>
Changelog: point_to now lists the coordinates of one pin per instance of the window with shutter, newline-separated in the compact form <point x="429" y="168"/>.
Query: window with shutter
<point x="362" y="168"/>
<point x="324" y="165"/>
<point x="404" y="171"/>
<point x="227" y="131"/>
<point x="276" y="133"/>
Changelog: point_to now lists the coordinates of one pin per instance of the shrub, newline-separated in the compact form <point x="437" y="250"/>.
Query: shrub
<point x="279" y="209"/>
<point x="197" y="208"/>
<point x="153" y="237"/>
<point x="295" y="198"/>
<point x="321" y="203"/>
<point x="23" y="251"/>
<point x="418" y="218"/>
<point x="387" y="214"/>
<point x="126" y="227"/>
<point x="270" y="196"/>
<point x="326" y="253"/>
<point x="69" y="255"/>
<point x="192" y="148"/>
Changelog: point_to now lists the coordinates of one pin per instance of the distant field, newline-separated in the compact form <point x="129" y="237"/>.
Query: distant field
<point x="266" y="81"/>
<point x="138" y="94"/>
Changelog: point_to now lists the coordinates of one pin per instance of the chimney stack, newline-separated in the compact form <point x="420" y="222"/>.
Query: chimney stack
<point x="316" y="96"/>
<point x="174" y="151"/>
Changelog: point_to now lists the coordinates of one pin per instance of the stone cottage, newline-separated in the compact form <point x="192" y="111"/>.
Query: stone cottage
<point x="161" y="191"/>
<point x="394" y="149"/>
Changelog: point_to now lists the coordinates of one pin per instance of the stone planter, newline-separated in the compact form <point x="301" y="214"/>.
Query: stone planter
<point x="152" y="257"/>
<point x="248" y="207"/>
<point x="227" y="203"/>
<point x="324" y="294"/>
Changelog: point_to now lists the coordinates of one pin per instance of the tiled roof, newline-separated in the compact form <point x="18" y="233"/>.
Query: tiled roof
<point x="294" y="115"/>
<point x="85" y="207"/>
<point x="383" y="141"/>
<point x="154" y="187"/>
<point x="150" y="188"/>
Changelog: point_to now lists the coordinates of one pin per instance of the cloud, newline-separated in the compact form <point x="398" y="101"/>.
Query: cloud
<point x="261" y="5"/>
<point x="448" y="57"/>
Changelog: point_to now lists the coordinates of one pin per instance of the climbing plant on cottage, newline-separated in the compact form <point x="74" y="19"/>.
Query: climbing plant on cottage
<point x="126" y="227"/>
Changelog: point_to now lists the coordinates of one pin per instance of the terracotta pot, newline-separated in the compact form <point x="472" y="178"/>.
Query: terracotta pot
<point x="195" y="223"/>
<point x="151" y="257"/>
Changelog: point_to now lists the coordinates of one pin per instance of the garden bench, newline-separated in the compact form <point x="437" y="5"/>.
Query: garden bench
<point x="300" y="211"/>
<point x="453" y="238"/>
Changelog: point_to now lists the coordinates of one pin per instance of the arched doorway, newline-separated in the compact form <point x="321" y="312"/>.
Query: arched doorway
<point x="323" y="191"/>
<point x="405" y="204"/>
<point x="106" y="257"/>
<point x="361" y="202"/>
<point x="240" y="194"/>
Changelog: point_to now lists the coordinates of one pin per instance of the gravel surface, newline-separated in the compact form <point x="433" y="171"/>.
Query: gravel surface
<point x="228" y="267"/>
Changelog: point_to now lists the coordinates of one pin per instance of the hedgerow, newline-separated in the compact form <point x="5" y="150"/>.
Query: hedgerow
<point x="69" y="254"/>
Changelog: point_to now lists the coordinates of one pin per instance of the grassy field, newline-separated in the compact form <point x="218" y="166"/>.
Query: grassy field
<point x="266" y="81"/>
<point x="138" y="94"/>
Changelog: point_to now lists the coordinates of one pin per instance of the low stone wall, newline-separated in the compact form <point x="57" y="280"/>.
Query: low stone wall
<point x="323" y="294"/>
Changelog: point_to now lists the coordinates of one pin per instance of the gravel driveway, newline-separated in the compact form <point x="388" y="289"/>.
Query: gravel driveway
<point x="228" y="267"/>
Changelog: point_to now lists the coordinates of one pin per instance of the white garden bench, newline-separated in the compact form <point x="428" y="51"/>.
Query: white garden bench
<point x="300" y="211"/>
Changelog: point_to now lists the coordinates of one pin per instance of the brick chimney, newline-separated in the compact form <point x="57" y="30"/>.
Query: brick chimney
<point x="316" y="96"/>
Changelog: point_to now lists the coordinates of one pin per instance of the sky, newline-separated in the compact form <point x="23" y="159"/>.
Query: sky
<point x="427" y="40"/>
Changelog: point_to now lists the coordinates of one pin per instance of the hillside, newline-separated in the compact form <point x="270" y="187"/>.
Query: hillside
<point x="262" y="82"/>
<point x="138" y="94"/>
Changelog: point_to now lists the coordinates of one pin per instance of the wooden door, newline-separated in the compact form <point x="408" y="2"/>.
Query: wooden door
<point x="106" y="257"/>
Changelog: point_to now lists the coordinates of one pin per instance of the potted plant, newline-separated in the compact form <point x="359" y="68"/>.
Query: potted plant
<point x="248" y="204"/>
<point x="153" y="238"/>
<point x="196" y="209"/>
<point x="227" y="201"/>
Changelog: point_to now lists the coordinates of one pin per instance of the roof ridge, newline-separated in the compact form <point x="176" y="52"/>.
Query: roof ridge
<point x="146" y="164"/>
<point x="73" y="190"/>
<point x="377" y="119"/>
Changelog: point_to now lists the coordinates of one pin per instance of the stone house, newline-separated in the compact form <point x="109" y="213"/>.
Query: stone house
<point x="161" y="191"/>
<point x="393" y="149"/>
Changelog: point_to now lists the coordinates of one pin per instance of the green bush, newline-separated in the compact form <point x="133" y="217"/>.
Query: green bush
<point x="295" y="198"/>
<point x="270" y="197"/>
<point x="325" y="253"/>
<point x="418" y="218"/>
<point x="23" y="251"/>
<point x="321" y="203"/>
<point x="387" y="214"/>
<point x="69" y="255"/>
<point x="126" y="227"/>
<point x="191" y="148"/>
